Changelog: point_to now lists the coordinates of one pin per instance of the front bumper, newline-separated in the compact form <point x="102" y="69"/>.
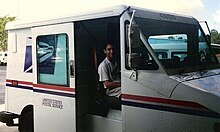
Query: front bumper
<point x="8" y="118"/>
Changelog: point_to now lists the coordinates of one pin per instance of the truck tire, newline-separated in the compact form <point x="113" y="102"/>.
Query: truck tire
<point x="26" y="122"/>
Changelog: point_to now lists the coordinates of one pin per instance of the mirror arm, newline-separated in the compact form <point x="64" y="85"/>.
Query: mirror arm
<point x="129" y="40"/>
<point x="208" y="27"/>
<point x="208" y="37"/>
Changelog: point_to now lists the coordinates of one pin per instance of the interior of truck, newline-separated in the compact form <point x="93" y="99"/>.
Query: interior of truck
<point x="90" y="37"/>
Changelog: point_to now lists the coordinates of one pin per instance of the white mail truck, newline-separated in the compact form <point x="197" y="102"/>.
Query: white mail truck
<point x="52" y="81"/>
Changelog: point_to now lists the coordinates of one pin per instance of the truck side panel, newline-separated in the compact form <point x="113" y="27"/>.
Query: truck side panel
<point x="19" y="88"/>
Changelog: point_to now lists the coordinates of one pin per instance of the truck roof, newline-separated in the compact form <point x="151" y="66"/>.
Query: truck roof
<point x="101" y="13"/>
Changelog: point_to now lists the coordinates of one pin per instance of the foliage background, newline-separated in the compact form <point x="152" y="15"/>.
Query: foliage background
<point x="215" y="36"/>
<point x="3" y="32"/>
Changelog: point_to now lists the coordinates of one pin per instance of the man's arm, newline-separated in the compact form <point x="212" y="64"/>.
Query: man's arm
<point x="112" y="85"/>
<point x="104" y="77"/>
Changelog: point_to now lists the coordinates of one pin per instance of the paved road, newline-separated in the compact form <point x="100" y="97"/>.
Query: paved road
<point x="2" y="84"/>
<point x="3" y="127"/>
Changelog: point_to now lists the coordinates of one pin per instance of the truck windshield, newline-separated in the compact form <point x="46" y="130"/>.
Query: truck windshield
<point x="180" y="47"/>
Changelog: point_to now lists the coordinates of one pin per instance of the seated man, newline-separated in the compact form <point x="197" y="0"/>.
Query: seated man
<point x="109" y="74"/>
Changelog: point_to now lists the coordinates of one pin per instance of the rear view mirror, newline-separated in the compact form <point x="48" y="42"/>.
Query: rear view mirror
<point x="133" y="60"/>
<point x="135" y="36"/>
<point x="134" y="42"/>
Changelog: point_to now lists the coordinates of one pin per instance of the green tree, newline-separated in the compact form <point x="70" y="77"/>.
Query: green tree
<point x="3" y="32"/>
<point x="215" y="36"/>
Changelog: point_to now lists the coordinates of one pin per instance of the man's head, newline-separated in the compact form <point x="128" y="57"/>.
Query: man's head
<point x="109" y="51"/>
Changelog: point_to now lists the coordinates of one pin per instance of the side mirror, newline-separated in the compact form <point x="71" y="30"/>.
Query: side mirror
<point x="135" y="36"/>
<point x="134" y="41"/>
<point x="133" y="60"/>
